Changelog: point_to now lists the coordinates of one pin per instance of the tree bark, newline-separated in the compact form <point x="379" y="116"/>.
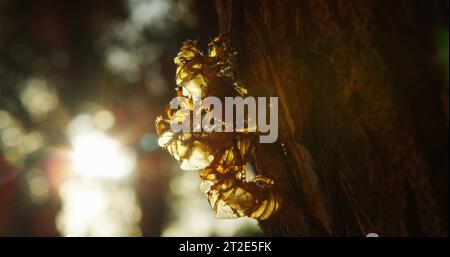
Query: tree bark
<point x="363" y="109"/>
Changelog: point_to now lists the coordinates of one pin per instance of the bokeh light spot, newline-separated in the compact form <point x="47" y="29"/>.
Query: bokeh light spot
<point x="149" y="142"/>
<point x="38" y="98"/>
<point x="103" y="120"/>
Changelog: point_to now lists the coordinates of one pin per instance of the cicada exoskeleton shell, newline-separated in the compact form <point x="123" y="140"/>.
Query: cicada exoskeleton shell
<point x="222" y="157"/>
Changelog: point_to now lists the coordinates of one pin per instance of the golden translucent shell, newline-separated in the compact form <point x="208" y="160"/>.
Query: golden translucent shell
<point x="221" y="156"/>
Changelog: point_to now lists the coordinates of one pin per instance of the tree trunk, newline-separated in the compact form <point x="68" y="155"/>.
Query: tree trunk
<point x="363" y="109"/>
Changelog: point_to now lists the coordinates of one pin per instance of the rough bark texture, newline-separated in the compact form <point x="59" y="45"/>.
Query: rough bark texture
<point x="363" y="108"/>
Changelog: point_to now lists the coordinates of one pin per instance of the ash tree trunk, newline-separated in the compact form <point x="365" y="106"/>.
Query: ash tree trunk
<point x="363" y="109"/>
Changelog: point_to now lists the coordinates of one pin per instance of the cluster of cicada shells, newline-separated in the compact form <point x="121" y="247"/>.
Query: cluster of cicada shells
<point x="220" y="157"/>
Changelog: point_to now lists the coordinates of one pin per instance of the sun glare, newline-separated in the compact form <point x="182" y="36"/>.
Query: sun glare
<point x="98" y="195"/>
<point x="95" y="154"/>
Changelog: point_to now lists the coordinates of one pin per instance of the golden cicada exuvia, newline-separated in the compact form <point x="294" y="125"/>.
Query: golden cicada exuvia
<point x="221" y="157"/>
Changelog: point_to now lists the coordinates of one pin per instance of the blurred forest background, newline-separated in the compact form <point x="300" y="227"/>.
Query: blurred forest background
<point x="81" y="83"/>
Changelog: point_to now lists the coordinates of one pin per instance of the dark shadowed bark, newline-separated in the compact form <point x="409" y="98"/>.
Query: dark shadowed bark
<point x="363" y="106"/>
